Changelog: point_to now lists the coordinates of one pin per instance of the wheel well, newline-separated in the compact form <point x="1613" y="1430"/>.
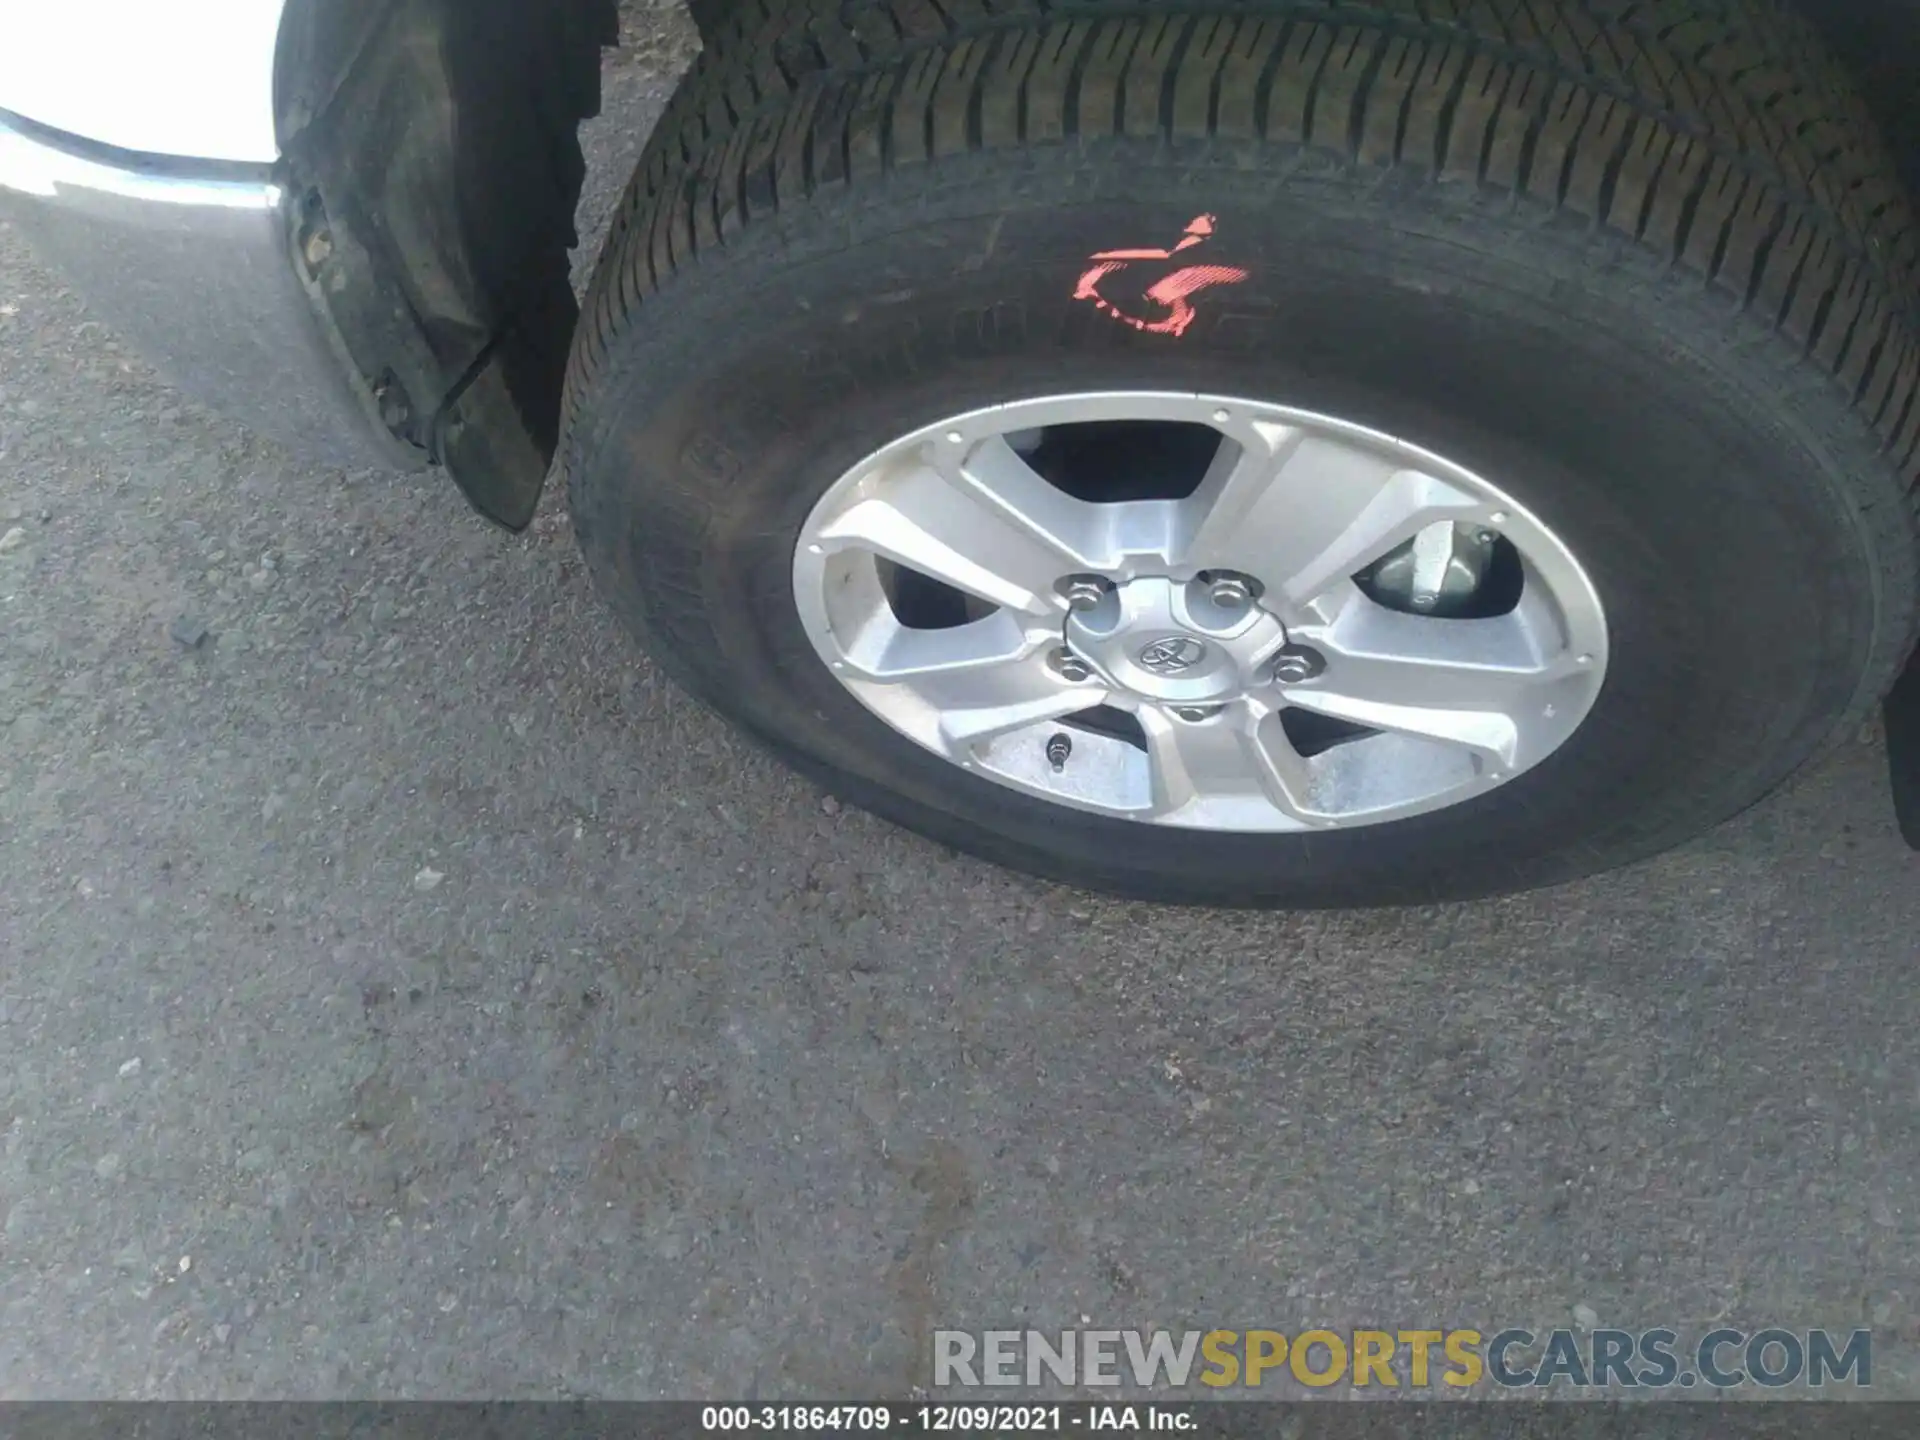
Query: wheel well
<point x="434" y="168"/>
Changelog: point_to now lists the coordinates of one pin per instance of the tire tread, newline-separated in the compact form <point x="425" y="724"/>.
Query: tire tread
<point x="1715" y="132"/>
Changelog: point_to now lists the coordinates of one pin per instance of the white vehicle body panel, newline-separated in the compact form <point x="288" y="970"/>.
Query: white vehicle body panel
<point x="190" y="78"/>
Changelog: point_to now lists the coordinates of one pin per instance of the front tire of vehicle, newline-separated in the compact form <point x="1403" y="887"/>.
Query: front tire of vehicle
<point x="1630" y="299"/>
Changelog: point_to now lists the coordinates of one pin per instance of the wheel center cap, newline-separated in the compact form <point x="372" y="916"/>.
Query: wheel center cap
<point x="1172" y="654"/>
<point x="1167" y="640"/>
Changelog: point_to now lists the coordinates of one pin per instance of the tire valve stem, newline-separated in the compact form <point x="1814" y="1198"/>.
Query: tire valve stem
<point x="1058" y="749"/>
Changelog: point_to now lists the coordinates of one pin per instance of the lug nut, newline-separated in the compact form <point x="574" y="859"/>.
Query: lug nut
<point x="1069" y="666"/>
<point x="1194" y="713"/>
<point x="1059" y="749"/>
<point x="1083" y="592"/>
<point x="1231" y="592"/>
<point x="1298" y="663"/>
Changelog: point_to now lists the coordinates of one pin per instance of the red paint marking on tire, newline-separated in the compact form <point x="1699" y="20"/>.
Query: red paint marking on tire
<point x="1173" y="293"/>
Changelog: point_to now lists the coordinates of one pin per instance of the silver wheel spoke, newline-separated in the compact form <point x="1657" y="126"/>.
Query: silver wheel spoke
<point x="985" y="524"/>
<point x="1004" y="698"/>
<point x="1481" y="684"/>
<point x="1238" y="761"/>
<point x="1307" y="511"/>
<point x="963" y="684"/>
<point x="883" y="649"/>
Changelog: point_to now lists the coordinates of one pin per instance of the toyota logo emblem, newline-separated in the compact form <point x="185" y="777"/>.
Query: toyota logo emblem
<point x="1172" y="655"/>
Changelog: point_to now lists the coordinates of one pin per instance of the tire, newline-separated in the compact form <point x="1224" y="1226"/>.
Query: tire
<point x="709" y="16"/>
<point x="1654" y="272"/>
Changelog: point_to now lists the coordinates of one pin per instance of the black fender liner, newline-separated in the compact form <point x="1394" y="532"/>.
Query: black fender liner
<point x="433" y="167"/>
<point x="1903" y="750"/>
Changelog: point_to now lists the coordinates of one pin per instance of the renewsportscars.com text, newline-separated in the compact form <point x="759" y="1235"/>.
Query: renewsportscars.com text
<point x="1414" y="1359"/>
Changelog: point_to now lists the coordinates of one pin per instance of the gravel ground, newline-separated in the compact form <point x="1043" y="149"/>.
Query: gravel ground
<point x="406" y="992"/>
